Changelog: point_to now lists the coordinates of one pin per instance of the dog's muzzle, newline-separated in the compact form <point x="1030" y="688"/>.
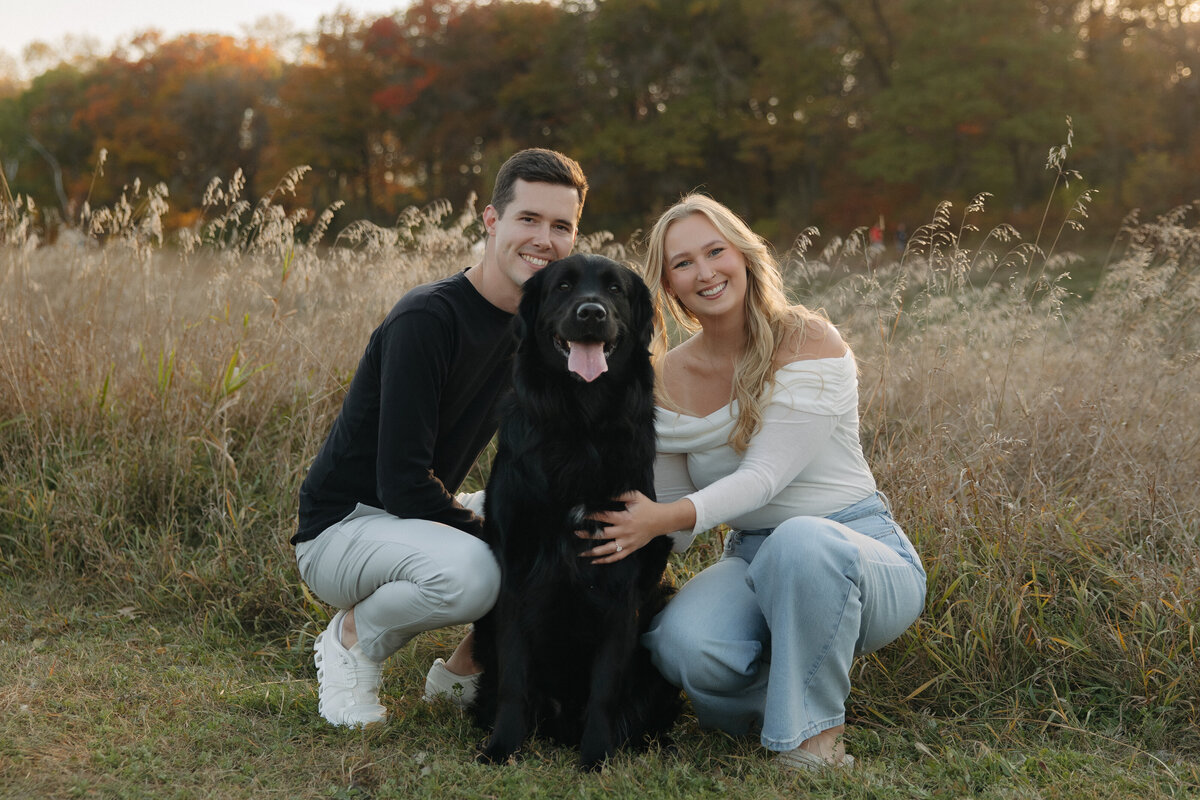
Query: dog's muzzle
<point x="581" y="340"/>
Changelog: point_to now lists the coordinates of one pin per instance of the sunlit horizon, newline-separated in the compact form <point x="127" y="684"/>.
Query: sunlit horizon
<point x="88" y="27"/>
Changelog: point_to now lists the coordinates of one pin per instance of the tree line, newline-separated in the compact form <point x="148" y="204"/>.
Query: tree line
<point x="833" y="112"/>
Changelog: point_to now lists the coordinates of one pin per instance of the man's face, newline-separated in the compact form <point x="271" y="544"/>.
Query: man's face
<point x="538" y="227"/>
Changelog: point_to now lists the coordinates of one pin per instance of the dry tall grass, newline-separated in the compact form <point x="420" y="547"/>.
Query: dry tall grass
<point x="159" y="405"/>
<point x="1045" y="454"/>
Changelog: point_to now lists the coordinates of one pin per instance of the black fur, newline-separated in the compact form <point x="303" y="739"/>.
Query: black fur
<point x="560" y="651"/>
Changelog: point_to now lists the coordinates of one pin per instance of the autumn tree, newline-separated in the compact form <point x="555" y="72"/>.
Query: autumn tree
<point x="177" y="112"/>
<point x="830" y="112"/>
<point x="181" y="111"/>
<point x="497" y="87"/>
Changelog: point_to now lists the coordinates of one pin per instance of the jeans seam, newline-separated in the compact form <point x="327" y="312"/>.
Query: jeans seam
<point x="827" y="645"/>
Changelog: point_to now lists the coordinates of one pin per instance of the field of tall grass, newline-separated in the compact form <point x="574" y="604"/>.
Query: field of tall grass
<point x="162" y="395"/>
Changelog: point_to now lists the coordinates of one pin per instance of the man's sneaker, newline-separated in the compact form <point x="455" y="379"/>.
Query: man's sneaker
<point x="441" y="682"/>
<point x="348" y="680"/>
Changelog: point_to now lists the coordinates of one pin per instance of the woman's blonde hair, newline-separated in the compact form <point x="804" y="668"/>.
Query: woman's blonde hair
<point x="770" y="316"/>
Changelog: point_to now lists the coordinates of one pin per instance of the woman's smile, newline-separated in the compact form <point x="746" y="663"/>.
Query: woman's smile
<point x="704" y="270"/>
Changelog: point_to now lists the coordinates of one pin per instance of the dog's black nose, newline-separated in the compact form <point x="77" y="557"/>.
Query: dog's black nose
<point x="591" y="312"/>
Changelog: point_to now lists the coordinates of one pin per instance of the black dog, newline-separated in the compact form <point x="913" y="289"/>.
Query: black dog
<point x="560" y="651"/>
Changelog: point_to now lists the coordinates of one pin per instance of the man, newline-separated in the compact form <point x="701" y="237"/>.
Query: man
<point x="381" y="535"/>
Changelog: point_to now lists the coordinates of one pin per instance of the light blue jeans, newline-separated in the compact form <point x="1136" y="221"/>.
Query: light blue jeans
<point x="765" y="637"/>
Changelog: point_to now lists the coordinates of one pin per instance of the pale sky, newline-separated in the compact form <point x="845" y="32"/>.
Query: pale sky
<point x="110" y="21"/>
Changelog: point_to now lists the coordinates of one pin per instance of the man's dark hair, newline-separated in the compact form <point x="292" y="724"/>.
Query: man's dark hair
<point x="537" y="165"/>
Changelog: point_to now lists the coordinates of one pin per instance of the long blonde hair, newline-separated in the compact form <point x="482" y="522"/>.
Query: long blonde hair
<point x="770" y="316"/>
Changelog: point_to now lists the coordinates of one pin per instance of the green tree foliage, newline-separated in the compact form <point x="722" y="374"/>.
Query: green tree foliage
<point x="974" y="100"/>
<point x="43" y="146"/>
<point x="661" y="100"/>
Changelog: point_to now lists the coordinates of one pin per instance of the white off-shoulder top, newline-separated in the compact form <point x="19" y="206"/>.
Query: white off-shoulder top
<point x="806" y="459"/>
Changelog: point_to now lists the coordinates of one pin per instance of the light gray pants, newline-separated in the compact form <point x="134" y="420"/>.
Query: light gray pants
<point x="401" y="576"/>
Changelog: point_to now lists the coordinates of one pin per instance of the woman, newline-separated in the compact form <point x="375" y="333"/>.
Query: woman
<point x="758" y="428"/>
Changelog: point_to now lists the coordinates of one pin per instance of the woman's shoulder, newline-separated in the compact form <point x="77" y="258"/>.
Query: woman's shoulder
<point x="819" y="374"/>
<point x="815" y="338"/>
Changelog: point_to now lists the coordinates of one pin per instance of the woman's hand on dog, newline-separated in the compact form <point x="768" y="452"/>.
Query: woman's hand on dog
<point x="642" y="520"/>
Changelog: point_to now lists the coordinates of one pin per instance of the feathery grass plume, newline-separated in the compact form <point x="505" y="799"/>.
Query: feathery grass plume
<point x="8" y="209"/>
<point x="270" y="226"/>
<point x="19" y="224"/>
<point x="85" y="212"/>
<point x="134" y="220"/>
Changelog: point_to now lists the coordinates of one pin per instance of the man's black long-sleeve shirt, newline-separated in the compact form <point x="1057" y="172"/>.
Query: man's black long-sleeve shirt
<point x="419" y="410"/>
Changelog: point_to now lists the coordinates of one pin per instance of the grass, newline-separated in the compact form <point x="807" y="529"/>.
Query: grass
<point x="159" y="404"/>
<point x="105" y="702"/>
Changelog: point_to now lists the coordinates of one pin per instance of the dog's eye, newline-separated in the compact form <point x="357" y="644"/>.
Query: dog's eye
<point x="565" y="286"/>
<point x="615" y="288"/>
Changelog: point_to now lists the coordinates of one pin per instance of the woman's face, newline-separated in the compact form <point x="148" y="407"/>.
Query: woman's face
<point x="702" y="269"/>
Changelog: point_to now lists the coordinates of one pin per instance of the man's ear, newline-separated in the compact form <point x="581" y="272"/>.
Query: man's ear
<point x="490" y="217"/>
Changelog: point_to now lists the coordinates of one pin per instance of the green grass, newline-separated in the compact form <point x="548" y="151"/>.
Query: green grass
<point x="101" y="701"/>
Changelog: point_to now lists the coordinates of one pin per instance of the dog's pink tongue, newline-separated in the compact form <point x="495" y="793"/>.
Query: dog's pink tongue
<point x="586" y="360"/>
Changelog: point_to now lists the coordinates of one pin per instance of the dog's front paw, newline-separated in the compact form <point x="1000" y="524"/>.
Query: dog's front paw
<point x="497" y="752"/>
<point x="592" y="763"/>
<point x="594" y="751"/>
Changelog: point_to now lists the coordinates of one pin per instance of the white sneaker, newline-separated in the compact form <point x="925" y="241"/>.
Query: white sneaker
<point x="348" y="680"/>
<point x="441" y="682"/>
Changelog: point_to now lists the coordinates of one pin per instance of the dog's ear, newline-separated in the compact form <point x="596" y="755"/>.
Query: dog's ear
<point x="642" y="309"/>
<point x="531" y="302"/>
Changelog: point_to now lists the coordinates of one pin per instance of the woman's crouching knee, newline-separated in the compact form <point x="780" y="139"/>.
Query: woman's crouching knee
<point x="803" y="545"/>
<point x="689" y="659"/>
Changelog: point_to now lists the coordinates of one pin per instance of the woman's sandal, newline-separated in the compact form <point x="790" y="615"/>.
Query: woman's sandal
<point x="806" y="761"/>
